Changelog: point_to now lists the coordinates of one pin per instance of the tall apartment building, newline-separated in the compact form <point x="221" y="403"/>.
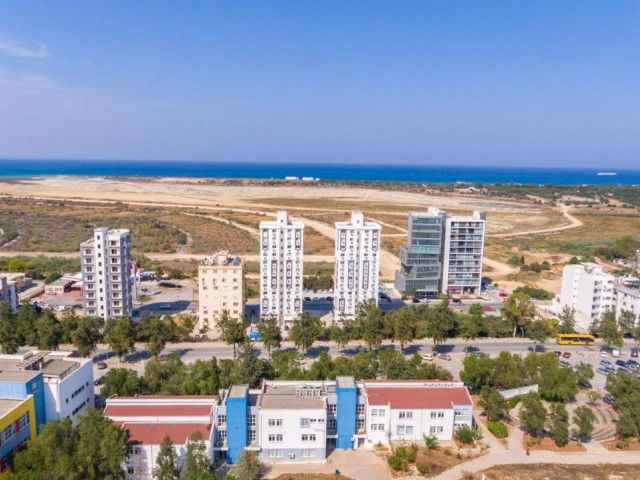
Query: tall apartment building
<point x="9" y="292"/>
<point x="463" y="251"/>
<point x="421" y="260"/>
<point x="357" y="263"/>
<point x="106" y="265"/>
<point x="281" y="268"/>
<point x="589" y="290"/>
<point x="627" y="295"/>
<point x="221" y="287"/>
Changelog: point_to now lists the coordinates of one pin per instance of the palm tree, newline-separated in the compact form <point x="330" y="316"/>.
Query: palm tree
<point x="431" y="442"/>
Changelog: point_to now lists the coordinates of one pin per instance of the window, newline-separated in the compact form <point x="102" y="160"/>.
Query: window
<point x="251" y="436"/>
<point x="433" y="430"/>
<point x="409" y="430"/>
<point x="222" y="420"/>
<point x="275" y="454"/>
<point x="332" y="409"/>
<point x="377" y="427"/>
<point x="439" y="414"/>
<point x="308" y="437"/>
<point x="275" y="422"/>
<point x="378" y="412"/>
<point x="405" y="415"/>
<point x="130" y="470"/>
<point x="251" y="421"/>
<point x="8" y="432"/>
<point x="360" y="408"/>
<point x="400" y="429"/>
<point x="23" y="421"/>
<point x="137" y="450"/>
<point x="222" y="435"/>
<point x="305" y="422"/>
<point x="273" y="437"/>
<point x="458" y="413"/>
<point x="331" y="424"/>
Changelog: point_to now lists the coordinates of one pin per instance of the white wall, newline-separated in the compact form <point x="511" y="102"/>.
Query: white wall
<point x="291" y="430"/>
<point x="57" y="393"/>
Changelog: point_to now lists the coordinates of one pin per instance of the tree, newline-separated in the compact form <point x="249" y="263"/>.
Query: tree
<point x="538" y="331"/>
<point x="559" y="424"/>
<point x="305" y="330"/>
<point x="48" y="331"/>
<point x="370" y="323"/>
<point x="8" y="335"/>
<point x="123" y="382"/>
<point x="270" y="332"/>
<point x="610" y="331"/>
<point x="518" y="311"/>
<point x="341" y="334"/>
<point x="441" y="323"/>
<point x="25" y="324"/>
<point x="247" y="468"/>
<point x="567" y="319"/>
<point x="494" y="405"/>
<point x="627" y="321"/>
<point x="404" y="326"/>
<point x="166" y="461"/>
<point x="430" y="442"/>
<point x="197" y="465"/>
<point x="159" y="333"/>
<point x="232" y="330"/>
<point x="583" y="418"/>
<point x="247" y="368"/>
<point x="584" y="372"/>
<point x="120" y="336"/>
<point x="533" y="415"/>
<point x="468" y="329"/>
<point x="593" y="396"/>
<point x="86" y="335"/>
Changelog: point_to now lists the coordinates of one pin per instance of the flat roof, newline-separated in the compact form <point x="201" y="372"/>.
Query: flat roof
<point x="238" y="391"/>
<point x="8" y="404"/>
<point x="417" y="398"/>
<point x="287" y="397"/>
<point x="149" y="410"/>
<point x="345" y="382"/>
<point x="58" y="367"/>
<point x="18" y="376"/>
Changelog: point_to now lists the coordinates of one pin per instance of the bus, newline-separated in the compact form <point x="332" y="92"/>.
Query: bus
<point x="575" y="339"/>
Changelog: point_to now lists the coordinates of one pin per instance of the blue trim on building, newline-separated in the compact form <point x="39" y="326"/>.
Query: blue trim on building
<point x="346" y="417"/>
<point x="21" y="390"/>
<point x="236" y="424"/>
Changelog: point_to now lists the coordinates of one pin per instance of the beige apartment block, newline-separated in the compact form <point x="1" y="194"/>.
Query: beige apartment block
<point x="220" y="287"/>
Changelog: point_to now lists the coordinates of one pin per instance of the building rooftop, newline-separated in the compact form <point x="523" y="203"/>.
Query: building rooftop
<point x="222" y="259"/>
<point x="17" y="376"/>
<point x="160" y="406"/>
<point x="56" y="364"/>
<point x="6" y="405"/>
<point x="238" y="391"/>
<point x="154" y="433"/>
<point x="292" y="397"/>
<point x="58" y="368"/>
<point x="345" y="382"/>
<point x="418" y="397"/>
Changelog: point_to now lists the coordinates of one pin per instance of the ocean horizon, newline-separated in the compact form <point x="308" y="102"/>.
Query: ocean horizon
<point x="375" y="172"/>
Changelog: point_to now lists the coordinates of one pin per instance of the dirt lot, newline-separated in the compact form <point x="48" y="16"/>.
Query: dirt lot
<point x="313" y="476"/>
<point x="561" y="472"/>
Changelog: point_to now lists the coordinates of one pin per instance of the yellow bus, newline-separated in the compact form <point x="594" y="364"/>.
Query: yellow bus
<point x="575" y="339"/>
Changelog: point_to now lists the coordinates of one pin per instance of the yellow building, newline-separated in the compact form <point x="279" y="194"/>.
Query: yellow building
<point x="17" y="426"/>
<point x="220" y="287"/>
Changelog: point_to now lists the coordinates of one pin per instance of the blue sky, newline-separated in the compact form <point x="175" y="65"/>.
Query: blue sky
<point x="548" y="83"/>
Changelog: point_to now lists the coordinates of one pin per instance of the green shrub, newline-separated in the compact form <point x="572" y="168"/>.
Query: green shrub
<point x="423" y="468"/>
<point x="464" y="434"/>
<point x="407" y="453"/>
<point x="397" y="463"/>
<point x="498" y="429"/>
<point x="447" y="452"/>
<point x="513" y="401"/>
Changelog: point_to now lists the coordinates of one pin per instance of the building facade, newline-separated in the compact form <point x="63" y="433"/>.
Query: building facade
<point x="148" y="419"/>
<point x="463" y="252"/>
<point x="9" y="293"/>
<point x="65" y="382"/>
<point x="357" y="264"/>
<point x="220" y="288"/>
<point x="627" y="296"/>
<point x="17" y="426"/>
<point x="281" y="269"/>
<point x="589" y="290"/>
<point x="106" y="274"/>
<point x="443" y="254"/>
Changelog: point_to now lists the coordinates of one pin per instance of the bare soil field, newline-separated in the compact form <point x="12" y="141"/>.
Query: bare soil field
<point x="561" y="472"/>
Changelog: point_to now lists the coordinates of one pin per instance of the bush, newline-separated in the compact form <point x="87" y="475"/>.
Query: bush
<point x="513" y="401"/>
<point x="447" y="452"/>
<point x="498" y="429"/>
<point x="398" y="464"/>
<point x="423" y="468"/>
<point x="536" y="293"/>
<point x="407" y="453"/>
<point x="464" y="434"/>
<point x="52" y="277"/>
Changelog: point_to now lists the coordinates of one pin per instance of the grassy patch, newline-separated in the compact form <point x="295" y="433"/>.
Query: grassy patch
<point x="312" y="476"/>
<point x="560" y="472"/>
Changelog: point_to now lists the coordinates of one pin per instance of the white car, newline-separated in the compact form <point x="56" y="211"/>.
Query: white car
<point x="603" y="354"/>
<point x="615" y="352"/>
<point x="427" y="356"/>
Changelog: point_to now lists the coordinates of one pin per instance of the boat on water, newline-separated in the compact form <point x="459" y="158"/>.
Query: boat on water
<point x="607" y="174"/>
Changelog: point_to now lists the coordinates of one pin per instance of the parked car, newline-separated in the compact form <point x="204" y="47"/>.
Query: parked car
<point x="621" y="363"/>
<point x="603" y="354"/>
<point x="98" y="382"/>
<point x="169" y="285"/>
<point x="444" y="356"/>
<point x="615" y="352"/>
<point x="566" y="355"/>
<point x="165" y="306"/>
<point x="558" y="353"/>
<point x="605" y="363"/>
<point x="427" y="356"/>
<point x="634" y="352"/>
<point x="102" y="365"/>
<point x="456" y="300"/>
<point x="565" y="364"/>
<point x="503" y="294"/>
<point x="415" y="300"/>
<point x="307" y="299"/>
<point x="603" y="371"/>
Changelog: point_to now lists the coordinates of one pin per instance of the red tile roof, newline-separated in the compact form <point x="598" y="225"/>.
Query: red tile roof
<point x="157" y="410"/>
<point x="415" y="398"/>
<point x="154" y="433"/>
<point x="169" y="397"/>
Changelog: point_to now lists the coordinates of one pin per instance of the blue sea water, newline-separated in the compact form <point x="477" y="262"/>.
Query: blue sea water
<point x="325" y="171"/>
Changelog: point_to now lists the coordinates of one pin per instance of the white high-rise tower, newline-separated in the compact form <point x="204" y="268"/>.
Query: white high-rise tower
<point x="281" y="268"/>
<point x="106" y="275"/>
<point x="357" y="262"/>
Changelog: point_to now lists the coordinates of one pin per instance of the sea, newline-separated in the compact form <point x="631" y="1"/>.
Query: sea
<point x="325" y="171"/>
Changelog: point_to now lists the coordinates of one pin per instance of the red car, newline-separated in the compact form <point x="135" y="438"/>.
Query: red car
<point x="503" y="295"/>
<point x="558" y="353"/>
<point x="566" y="355"/>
